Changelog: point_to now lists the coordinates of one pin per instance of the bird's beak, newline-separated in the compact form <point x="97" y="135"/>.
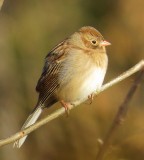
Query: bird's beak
<point x="105" y="43"/>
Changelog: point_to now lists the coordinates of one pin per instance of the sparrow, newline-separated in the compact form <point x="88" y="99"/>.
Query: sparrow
<point x="73" y="70"/>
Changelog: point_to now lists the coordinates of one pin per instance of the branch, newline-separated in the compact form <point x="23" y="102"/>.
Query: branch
<point x="61" y="111"/>
<point x="1" y="3"/>
<point x="120" y="116"/>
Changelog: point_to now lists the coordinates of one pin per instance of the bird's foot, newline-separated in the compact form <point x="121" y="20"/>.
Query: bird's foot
<point x="66" y="106"/>
<point x="91" y="97"/>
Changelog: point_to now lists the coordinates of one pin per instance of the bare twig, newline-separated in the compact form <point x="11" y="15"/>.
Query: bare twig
<point x="61" y="111"/>
<point x="120" y="116"/>
<point x="1" y="3"/>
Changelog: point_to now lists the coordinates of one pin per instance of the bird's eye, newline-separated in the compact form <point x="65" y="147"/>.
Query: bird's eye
<point x="94" y="42"/>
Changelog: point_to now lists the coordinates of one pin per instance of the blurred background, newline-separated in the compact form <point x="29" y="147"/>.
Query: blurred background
<point x="28" y="30"/>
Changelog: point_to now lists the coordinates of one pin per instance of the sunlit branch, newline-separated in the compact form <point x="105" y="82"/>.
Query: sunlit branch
<point x="61" y="111"/>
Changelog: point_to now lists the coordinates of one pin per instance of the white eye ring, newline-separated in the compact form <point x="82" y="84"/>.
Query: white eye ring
<point x="94" y="42"/>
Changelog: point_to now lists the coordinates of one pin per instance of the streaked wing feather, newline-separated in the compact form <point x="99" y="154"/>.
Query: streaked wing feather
<point x="48" y="82"/>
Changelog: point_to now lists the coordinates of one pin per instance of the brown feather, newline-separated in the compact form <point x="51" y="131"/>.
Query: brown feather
<point x="48" y="82"/>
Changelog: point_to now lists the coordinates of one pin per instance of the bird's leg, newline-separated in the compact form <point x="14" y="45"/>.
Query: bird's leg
<point x="91" y="97"/>
<point x="66" y="106"/>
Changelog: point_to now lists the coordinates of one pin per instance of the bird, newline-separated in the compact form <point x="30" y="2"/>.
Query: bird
<point x="73" y="70"/>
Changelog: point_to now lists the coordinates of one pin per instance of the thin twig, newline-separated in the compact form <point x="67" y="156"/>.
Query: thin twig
<point x="1" y="3"/>
<point x="61" y="111"/>
<point x="120" y="116"/>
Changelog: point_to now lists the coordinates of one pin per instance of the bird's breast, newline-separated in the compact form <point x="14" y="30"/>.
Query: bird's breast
<point x="79" y="77"/>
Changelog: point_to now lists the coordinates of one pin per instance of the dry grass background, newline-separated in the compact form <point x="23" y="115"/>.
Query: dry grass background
<point x="28" y="30"/>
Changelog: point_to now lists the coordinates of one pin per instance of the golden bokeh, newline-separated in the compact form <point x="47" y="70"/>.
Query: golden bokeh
<point x="28" y="30"/>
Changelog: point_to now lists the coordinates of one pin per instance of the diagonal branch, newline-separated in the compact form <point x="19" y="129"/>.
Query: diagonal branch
<point x="119" y="118"/>
<point x="61" y="111"/>
<point x="1" y="3"/>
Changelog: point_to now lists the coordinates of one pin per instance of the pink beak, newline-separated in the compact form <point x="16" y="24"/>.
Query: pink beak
<point x="105" y="43"/>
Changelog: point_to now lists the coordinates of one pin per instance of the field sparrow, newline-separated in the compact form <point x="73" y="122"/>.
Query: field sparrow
<point x="73" y="70"/>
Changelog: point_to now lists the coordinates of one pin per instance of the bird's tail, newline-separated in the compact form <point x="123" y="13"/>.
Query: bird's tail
<point x="30" y="120"/>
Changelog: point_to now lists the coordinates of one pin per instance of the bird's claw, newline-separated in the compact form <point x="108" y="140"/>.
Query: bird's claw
<point x="66" y="106"/>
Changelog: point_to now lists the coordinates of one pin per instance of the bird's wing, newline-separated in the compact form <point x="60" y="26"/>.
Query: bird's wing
<point x="48" y="82"/>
